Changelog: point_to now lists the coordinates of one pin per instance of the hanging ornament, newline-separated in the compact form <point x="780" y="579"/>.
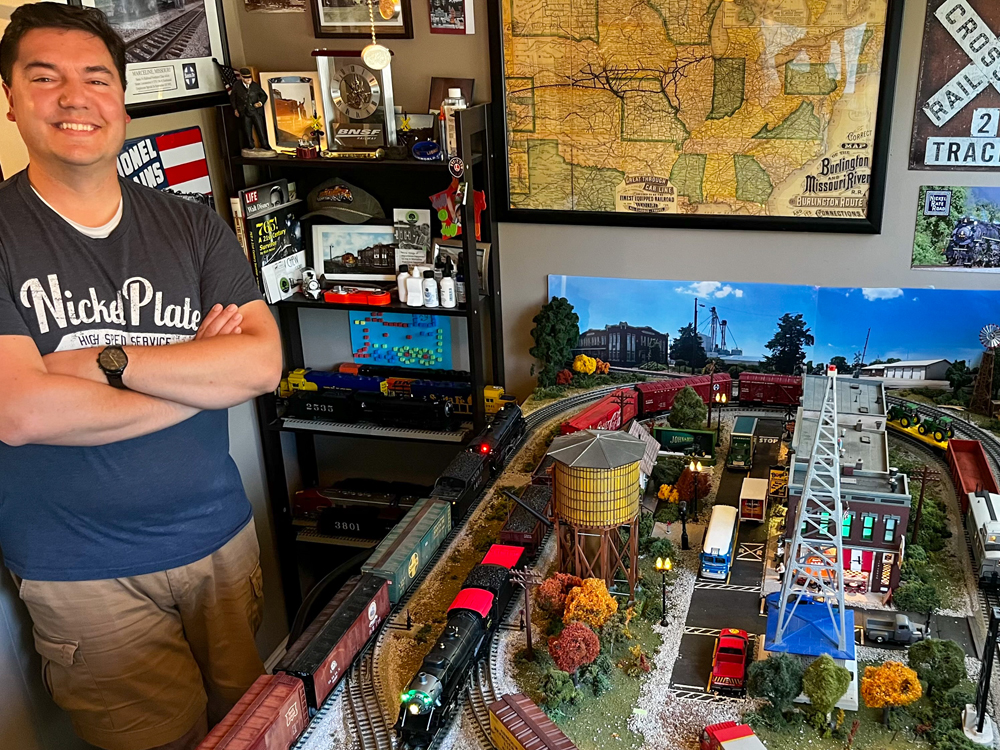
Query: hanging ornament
<point x="375" y="55"/>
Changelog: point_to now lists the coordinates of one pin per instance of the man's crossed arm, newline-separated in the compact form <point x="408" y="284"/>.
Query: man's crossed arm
<point x="64" y="398"/>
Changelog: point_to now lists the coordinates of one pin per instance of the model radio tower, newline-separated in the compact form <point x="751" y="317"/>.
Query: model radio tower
<point x="816" y="554"/>
<point x="982" y="394"/>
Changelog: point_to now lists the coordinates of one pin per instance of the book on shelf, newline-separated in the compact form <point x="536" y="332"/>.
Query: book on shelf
<point x="273" y="238"/>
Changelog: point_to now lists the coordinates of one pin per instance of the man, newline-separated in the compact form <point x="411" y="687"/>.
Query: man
<point x="248" y="100"/>
<point x="122" y="515"/>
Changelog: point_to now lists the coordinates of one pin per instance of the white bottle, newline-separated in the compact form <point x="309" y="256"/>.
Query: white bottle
<point x="430" y="290"/>
<point x="447" y="288"/>
<point x="449" y="106"/>
<point x="414" y="293"/>
<point x="404" y="274"/>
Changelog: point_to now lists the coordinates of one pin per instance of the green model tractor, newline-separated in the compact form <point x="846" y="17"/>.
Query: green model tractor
<point x="904" y="413"/>
<point x="940" y="428"/>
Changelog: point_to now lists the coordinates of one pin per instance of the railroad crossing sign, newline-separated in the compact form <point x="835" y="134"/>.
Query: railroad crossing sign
<point x="957" y="124"/>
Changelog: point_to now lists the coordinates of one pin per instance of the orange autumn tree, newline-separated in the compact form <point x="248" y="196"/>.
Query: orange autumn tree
<point x="551" y="595"/>
<point x="685" y="485"/>
<point x="889" y="686"/>
<point x="589" y="603"/>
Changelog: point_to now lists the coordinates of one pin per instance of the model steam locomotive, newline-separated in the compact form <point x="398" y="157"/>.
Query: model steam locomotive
<point x="974" y="243"/>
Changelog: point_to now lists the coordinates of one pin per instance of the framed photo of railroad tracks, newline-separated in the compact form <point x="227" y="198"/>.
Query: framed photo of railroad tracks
<point x="169" y="49"/>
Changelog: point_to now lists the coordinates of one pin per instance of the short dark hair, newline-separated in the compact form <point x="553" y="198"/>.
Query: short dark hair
<point x="56" y="16"/>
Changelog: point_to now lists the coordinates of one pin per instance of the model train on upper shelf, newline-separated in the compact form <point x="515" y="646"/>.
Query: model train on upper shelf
<point x="974" y="243"/>
<point x="384" y="397"/>
<point x="655" y="397"/>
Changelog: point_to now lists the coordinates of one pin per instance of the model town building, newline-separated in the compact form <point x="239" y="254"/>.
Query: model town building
<point x="876" y="498"/>
<point x="623" y="345"/>
<point x="924" y="369"/>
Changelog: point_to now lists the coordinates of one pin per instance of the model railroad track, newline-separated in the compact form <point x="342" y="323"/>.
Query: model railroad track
<point x="168" y="41"/>
<point x="481" y="694"/>
<point x="366" y="713"/>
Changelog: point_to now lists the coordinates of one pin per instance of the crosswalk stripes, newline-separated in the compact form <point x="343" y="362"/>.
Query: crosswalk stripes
<point x="751" y="552"/>
<point x="704" y="585"/>
<point x="713" y="632"/>
<point x="703" y="697"/>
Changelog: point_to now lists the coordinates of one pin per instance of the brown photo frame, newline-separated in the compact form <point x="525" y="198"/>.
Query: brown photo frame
<point x="356" y="24"/>
<point x="439" y="90"/>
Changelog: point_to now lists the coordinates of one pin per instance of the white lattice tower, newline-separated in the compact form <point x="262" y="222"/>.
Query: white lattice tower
<point x="816" y="554"/>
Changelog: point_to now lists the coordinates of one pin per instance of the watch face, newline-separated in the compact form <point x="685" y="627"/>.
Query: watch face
<point x="113" y="359"/>
<point x="356" y="91"/>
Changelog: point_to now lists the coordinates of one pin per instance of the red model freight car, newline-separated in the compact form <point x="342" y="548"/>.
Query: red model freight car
<point x="767" y="388"/>
<point x="610" y="413"/>
<point x="325" y="650"/>
<point x="970" y="470"/>
<point x="270" y="716"/>
<point x="523" y="527"/>
<point x="657" y="396"/>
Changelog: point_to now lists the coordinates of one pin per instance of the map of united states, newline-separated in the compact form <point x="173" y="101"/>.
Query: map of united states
<point x="750" y="107"/>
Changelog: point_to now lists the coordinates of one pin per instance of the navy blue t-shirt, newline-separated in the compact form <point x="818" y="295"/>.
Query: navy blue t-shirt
<point x="135" y="506"/>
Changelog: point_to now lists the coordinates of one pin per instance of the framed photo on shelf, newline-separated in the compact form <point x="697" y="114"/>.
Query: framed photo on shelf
<point x="354" y="252"/>
<point x="168" y="50"/>
<point x="349" y="19"/>
<point x="293" y="99"/>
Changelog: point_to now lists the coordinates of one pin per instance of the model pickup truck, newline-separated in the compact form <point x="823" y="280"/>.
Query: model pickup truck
<point x="897" y="629"/>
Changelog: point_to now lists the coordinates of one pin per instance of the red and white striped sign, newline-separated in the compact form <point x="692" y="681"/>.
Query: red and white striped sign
<point x="174" y="160"/>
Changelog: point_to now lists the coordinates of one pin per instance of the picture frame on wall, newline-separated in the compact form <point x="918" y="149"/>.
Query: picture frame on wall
<point x="169" y="51"/>
<point x="794" y="139"/>
<point x="293" y="99"/>
<point x="452" y="16"/>
<point x="349" y="19"/>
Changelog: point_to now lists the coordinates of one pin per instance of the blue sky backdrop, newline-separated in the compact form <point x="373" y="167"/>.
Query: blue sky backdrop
<point x="909" y="324"/>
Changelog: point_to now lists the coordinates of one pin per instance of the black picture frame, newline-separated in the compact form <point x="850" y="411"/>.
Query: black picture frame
<point x="872" y="224"/>
<point x="207" y="96"/>
<point x="363" y="30"/>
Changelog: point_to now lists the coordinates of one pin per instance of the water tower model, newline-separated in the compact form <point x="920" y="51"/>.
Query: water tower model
<point x="596" y="495"/>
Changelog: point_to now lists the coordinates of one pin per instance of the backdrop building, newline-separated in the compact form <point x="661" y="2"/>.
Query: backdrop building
<point x="623" y="345"/>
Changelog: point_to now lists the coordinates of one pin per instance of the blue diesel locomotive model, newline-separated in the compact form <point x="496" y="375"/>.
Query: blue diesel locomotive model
<point x="974" y="243"/>
<point x="473" y="617"/>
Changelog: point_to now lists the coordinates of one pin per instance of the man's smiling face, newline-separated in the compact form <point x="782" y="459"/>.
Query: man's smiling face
<point x="67" y="99"/>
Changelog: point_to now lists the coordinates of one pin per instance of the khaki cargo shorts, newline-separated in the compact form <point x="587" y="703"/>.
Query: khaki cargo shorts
<point x="136" y="661"/>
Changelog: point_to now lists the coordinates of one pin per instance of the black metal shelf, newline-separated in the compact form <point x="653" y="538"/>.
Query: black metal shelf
<point x="403" y="183"/>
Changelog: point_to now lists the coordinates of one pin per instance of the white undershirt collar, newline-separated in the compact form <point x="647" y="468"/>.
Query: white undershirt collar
<point x="95" y="233"/>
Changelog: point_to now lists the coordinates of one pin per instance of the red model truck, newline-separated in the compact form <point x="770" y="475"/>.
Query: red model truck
<point x="730" y="736"/>
<point x="729" y="662"/>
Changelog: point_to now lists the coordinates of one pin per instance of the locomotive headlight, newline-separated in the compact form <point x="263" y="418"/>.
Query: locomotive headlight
<point x="414" y="709"/>
<point x="964" y="233"/>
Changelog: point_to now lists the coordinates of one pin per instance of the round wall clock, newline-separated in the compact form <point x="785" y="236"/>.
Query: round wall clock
<point x="355" y="91"/>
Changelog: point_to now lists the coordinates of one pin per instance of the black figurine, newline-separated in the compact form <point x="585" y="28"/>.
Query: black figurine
<point x="248" y="99"/>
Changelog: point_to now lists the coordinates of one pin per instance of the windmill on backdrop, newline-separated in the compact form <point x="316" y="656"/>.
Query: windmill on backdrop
<point x="982" y="394"/>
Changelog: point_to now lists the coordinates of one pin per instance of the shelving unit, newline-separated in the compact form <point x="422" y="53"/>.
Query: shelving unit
<point x="395" y="184"/>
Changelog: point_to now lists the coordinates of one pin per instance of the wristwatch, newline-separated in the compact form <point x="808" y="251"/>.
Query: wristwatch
<point x="112" y="360"/>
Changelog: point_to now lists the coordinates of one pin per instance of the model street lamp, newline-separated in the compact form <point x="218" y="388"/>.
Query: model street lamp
<point x="695" y="468"/>
<point x="721" y="399"/>
<point x="663" y="565"/>
<point x="684" y="528"/>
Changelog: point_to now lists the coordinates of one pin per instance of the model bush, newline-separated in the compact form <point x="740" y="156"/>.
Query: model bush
<point x="636" y="663"/>
<point x="939" y="663"/>
<point x="558" y="690"/>
<point x="689" y="411"/>
<point x="917" y="596"/>
<point x="777" y="679"/>
<point x="556" y="332"/>
<point x="669" y="513"/>
<point x="888" y="686"/>
<point x="576" y="646"/>
<point x="954" y="739"/>
<point x="597" y="675"/>
<point x="652" y="366"/>
<point x="589" y="603"/>
<point x="958" y="697"/>
<point x="646" y="522"/>
<point x="583" y="363"/>
<point x="685" y="486"/>
<point x="564" y="377"/>
<point x="668" y="493"/>
<point x="613" y="631"/>
<point x="551" y="594"/>
<point x="602" y="367"/>
<point x="824" y="682"/>
<point x="666" y="471"/>
<point x="661" y="548"/>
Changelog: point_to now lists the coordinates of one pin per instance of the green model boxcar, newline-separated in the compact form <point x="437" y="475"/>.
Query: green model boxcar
<point x="408" y="547"/>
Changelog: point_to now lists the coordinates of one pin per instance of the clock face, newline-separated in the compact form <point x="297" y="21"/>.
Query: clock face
<point x="356" y="91"/>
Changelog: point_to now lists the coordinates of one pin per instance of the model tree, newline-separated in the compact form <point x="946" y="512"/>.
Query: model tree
<point x="584" y="364"/>
<point x="787" y="346"/>
<point x="655" y="352"/>
<point x="778" y="679"/>
<point x="840" y="363"/>
<point x="959" y="376"/>
<point x="824" y="683"/>
<point x="889" y="686"/>
<point x="590" y="603"/>
<point x="575" y="647"/>
<point x="551" y="594"/>
<point x="685" y="485"/>
<point x="556" y="332"/>
<point x="689" y="410"/>
<point x="939" y="663"/>
<point x="917" y="596"/>
<point x="689" y="348"/>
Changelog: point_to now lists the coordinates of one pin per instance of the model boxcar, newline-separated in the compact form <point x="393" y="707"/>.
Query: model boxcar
<point x="325" y="650"/>
<point x="516" y="723"/>
<point x="410" y="545"/>
<point x="523" y="527"/>
<point x="970" y="470"/>
<point x="768" y="388"/>
<point x="612" y="412"/>
<point x="658" y="396"/>
<point x="270" y="716"/>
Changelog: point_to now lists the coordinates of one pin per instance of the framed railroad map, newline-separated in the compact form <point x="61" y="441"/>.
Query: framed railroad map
<point x="739" y="114"/>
